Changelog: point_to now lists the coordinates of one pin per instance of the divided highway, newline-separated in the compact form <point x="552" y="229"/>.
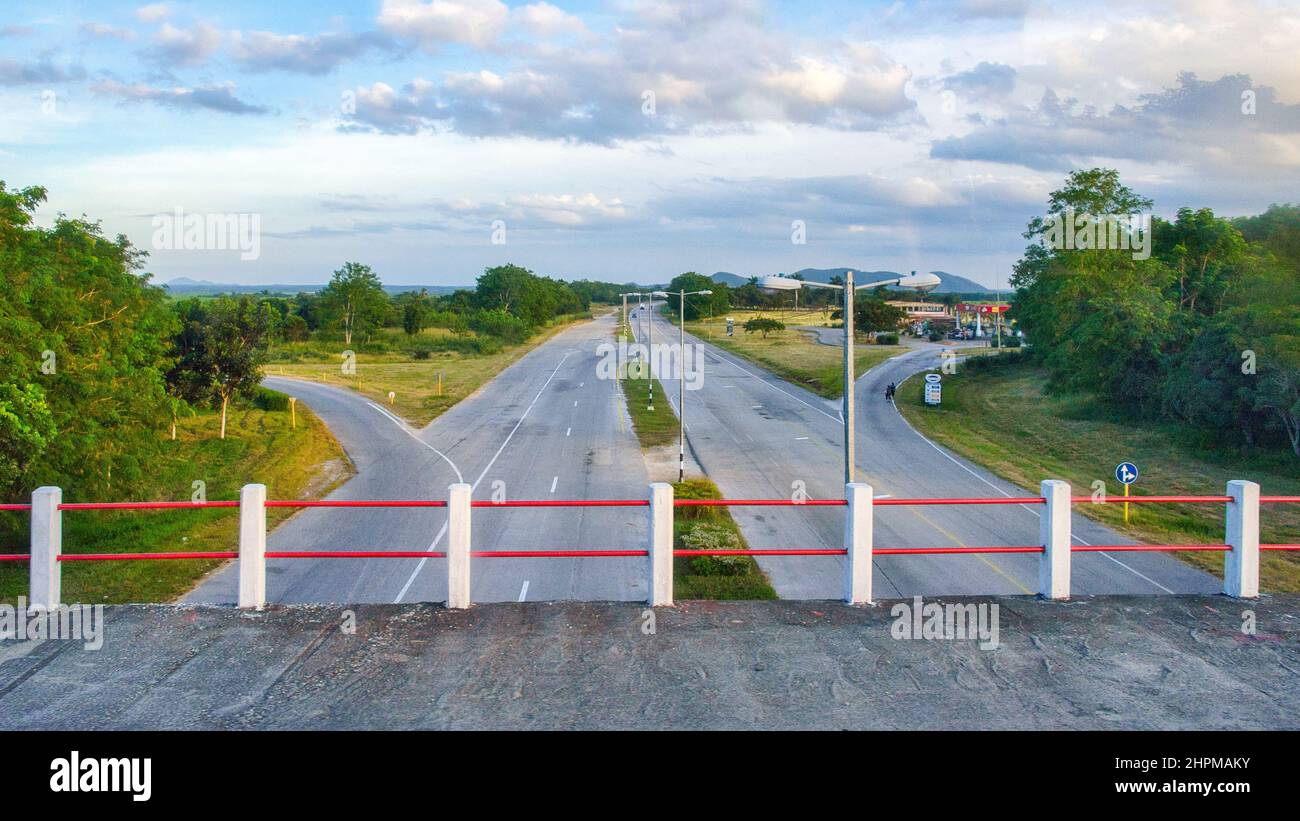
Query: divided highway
<point x="547" y="427"/>
<point x="757" y="436"/>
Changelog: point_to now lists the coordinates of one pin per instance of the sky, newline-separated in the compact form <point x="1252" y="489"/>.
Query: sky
<point x="633" y="140"/>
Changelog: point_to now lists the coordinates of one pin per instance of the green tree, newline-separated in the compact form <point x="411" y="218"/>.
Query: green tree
<point x="220" y="349"/>
<point x="26" y="429"/>
<point x="763" y="325"/>
<point x="415" y="311"/>
<point x="79" y="322"/>
<point x="354" y="299"/>
<point x="235" y="342"/>
<point x="699" y="305"/>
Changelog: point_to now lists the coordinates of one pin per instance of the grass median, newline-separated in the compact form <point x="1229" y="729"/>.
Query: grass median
<point x="794" y="355"/>
<point x="712" y="528"/>
<point x="260" y="446"/>
<point x="1005" y="418"/>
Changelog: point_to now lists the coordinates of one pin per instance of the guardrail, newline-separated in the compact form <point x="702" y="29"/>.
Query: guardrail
<point x="1241" y="546"/>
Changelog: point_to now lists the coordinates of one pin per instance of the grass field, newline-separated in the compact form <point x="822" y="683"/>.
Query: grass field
<point x="1006" y="419"/>
<point x="793" y="355"/>
<point x="260" y="446"/>
<point x="423" y="388"/>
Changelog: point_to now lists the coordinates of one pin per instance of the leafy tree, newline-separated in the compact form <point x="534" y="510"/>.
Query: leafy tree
<point x="415" y="311"/>
<point x="220" y="350"/>
<point x="700" y="304"/>
<point x="26" y="429"/>
<point x="876" y="315"/>
<point x="763" y="325"/>
<point x="355" y="299"/>
<point x="79" y="325"/>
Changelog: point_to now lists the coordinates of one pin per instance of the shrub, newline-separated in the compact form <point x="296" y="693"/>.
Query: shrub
<point x="886" y="339"/>
<point x="269" y="400"/>
<point x="935" y="336"/>
<point x="501" y="324"/>
<point x="709" y="536"/>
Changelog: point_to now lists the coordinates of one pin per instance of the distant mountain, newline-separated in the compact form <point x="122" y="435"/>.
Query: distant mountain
<point x="948" y="283"/>
<point x="196" y="287"/>
<point x="729" y="279"/>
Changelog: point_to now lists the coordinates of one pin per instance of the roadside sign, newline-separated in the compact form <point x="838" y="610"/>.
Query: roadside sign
<point x="933" y="390"/>
<point x="1127" y="474"/>
<point x="731" y="326"/>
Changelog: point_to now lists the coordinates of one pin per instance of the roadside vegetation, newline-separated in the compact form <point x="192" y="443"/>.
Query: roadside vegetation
<point x="1186" y="362"/>
<point x="792" y="354"/>
<point x="712" y="528"/>
<point x="1002" y="413"/>
<point x="261" y="445"/>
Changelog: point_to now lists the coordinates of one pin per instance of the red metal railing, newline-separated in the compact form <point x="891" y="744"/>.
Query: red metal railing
<point x="546" y="503"/>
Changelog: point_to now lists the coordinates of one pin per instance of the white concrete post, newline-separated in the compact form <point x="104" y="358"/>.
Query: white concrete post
<point x="252" y="547"/>
<point x="1241" y="564"/>
<point x="458" y="558"/>
<point x="660" y="589"/>
<point x="47" y="544"/>
<point x="1054" y="534"/>
<point x="857" y="541"/>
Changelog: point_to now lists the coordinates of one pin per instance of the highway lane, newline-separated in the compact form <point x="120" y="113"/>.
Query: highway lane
<point x="760" y="437"/>
<point x="545" y="428"/>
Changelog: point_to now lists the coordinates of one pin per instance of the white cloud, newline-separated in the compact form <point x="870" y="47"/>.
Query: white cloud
<point x="185" y="47"/>
<point x="545" y="20"/>
<point x="433" y="23"/>
<point x="153" y="12"/>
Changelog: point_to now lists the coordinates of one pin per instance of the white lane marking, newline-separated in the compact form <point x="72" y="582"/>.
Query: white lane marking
<point x="523" y="591"/>
<point x="411" y="434"/>
<point x="420" y="565"/>
<point x="568" y="431"/>
<point x="575" y="403"/>
<point x="800" y="438"/>
<point x="555" y="481"/>
<point x="1026" y="507"/>
<point x="580" y="385"/>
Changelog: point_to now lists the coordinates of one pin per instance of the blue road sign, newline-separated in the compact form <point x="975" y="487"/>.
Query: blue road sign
<point x="1126" y="473"/>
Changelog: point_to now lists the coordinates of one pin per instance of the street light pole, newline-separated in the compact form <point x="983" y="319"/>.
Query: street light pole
<point x="650" y="347"/>
<point x="921" y="282"/>
<point x="848" y="376"/>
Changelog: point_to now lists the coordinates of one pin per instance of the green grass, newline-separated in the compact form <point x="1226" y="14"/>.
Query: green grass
<point x="387" y="366"/>
<point x="795" y="356"/>
<point x="730" y="577"/>
<point x="260" y="446"/>
<point x="1006" y="419"/>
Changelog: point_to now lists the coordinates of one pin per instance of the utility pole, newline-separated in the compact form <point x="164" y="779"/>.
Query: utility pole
<point x="848" y="377"/>
<point x="650" y="355"/>
<point x="681" y="387"/>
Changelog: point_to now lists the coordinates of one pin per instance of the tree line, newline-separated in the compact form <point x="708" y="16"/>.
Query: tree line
<point x="1204" y="332"/>
<point x="96" y="361"/>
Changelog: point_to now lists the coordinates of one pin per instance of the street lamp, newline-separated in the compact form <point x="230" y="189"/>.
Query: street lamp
<point x="681" y="380"/>
<point x="921" y="282"/>
<point x="650" y="347"/>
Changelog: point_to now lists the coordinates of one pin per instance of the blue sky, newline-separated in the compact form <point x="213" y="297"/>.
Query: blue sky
<point x="904" y="135"/>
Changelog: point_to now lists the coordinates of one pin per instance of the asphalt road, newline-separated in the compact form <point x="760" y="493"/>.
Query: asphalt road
<point x="761" y="437"/>
<point x="545" y="428"/>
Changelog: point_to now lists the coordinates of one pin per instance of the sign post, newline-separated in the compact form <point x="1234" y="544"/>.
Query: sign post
<point x="933" y="390"/>
<point x="1126" y="473"/>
